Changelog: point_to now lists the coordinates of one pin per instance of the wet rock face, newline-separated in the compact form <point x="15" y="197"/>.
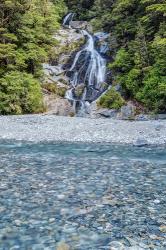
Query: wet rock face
<point x="55" y="72"/>
<point x="68" y="42"/>
<point x="78" y="91"/>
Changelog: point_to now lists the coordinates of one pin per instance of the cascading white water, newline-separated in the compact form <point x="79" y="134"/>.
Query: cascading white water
<point x="95" y="72"/>
<point x="68" y="19"/>
<point x="88" y="70"/>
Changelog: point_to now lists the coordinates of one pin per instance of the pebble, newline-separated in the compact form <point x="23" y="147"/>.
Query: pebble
<point x="97" y="196"/>
<point x="163" y="228"/>
<point x="156" y="201"/>
<point x="39" y="128"/>
<point x="61" y="196"/>
<point x="52" y="220"/>
<point x="63" y="246"/>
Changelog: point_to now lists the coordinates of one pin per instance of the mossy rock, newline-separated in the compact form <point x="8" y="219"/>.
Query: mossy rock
<point x="71" y="114"/>
<point x="79" y="90"/>
<point x="111" y="100"/>
<point x="54" y="88"/>
<point x="104" y="85"/>
<point x="65" y="49"/>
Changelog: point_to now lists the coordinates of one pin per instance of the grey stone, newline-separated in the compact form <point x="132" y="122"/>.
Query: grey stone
<point x="118" y="88"/>
<point x="127" y="112"/>
<point x="108" y="113"/>
<point x="58" y="106"/>
<point x="142" y="117"/>
<point x="159" y="127"/>
<point x="81" y="25"/>
<point x="52" y="70"/>
<point x="161" y="116"/>
<point x="140" y="142"/>
<point x="45" y="127"/>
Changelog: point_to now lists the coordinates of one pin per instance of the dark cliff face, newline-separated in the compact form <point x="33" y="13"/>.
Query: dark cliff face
<point x="80" y="7"/>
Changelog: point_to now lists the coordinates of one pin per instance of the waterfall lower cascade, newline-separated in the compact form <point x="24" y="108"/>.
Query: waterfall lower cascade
<point x="87" y="73"/>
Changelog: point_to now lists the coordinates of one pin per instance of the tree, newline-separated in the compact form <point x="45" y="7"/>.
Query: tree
<point x="26" y="39"/>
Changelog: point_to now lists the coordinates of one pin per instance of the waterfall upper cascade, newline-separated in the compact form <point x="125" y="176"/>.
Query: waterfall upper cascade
<point x="68" y="18"/>
<point x="87" y="73"/>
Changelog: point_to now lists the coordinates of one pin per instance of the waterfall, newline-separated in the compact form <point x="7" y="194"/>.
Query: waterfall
<point x="68" y="18"/>
<point x="94" y="66"/>
<point x="87" y="73"/>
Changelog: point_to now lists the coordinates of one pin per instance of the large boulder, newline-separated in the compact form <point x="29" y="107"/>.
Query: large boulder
<point x="81" y="25"/>
<point x="127" y="112"/>
<point x="96" y="112"/>
<point x="57" y="106"/>
<point x="108" y="113"/>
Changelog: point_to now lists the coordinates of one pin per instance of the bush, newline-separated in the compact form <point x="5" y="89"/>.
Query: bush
<point x="153" y="94"/>
<point x="20" y="93"/>
<point x="111" y="99"/>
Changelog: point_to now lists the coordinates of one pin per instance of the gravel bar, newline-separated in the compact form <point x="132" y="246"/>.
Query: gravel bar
<point x="38" y="128"/>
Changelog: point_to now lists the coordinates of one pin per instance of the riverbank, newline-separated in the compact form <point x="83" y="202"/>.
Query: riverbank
<point x="73" y="129"/>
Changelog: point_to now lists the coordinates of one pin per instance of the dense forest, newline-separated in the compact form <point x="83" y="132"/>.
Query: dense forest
<point x="137" y="43"/>
<point x="26" y="29"/>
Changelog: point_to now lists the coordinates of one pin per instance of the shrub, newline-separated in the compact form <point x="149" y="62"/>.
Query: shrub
<point x="20" y="93"/>
<point x="153" y="93"/>
<point x="111" y="99"/>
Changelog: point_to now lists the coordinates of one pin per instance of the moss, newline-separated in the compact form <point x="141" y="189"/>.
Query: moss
<point x="79" y="90"/>
<point x="72" y="114"/>
<point x="111" y="100"/>
<point x="61" y="92"/>
<point x="104" y="85"/>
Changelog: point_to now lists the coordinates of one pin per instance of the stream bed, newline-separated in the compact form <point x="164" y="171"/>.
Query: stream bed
<point x="90" y="196"/>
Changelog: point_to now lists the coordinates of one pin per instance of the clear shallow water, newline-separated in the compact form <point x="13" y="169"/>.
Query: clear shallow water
<point x="91" y="196"/>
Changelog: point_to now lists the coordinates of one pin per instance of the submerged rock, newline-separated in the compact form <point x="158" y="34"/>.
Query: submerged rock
<point x="140" y="142"/>
<point x="63" y="246"/>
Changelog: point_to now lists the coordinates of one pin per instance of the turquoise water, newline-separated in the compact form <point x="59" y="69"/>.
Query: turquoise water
<point x="91" y="196"/>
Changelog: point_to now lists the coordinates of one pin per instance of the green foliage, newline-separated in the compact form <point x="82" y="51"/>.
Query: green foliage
<point x="139" y="56"/>
<point x="123" y="61"/>
<point x="80" y="7"/>
<point x="20" y="93"/>
<point x="26" y="39"/>
<point x="153" y="92"/>
<point x="111" y="99"/>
